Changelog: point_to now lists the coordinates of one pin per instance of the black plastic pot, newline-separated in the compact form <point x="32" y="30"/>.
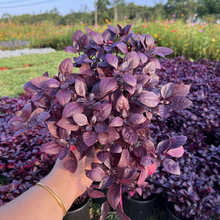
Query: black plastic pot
<point x="170" y="212"/>
<point x="139" y="210"/>
<point x="102" y="199"/>
<point x="81" y="213"/>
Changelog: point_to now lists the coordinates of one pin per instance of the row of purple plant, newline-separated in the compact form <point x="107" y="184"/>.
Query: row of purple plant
<point x="22" y="164"/>
<point x="194" y="192"/>
<point x="14" y="44"/>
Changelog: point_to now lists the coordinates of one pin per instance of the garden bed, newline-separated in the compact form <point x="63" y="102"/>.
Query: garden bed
<point x="194" y="192"/>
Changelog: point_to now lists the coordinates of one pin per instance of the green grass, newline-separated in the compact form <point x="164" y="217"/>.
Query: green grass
<point x="22" y="69"/>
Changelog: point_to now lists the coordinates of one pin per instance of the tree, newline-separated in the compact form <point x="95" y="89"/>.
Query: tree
<point x="208" y="7"/>
<point x="102" y="10"/>
<point x="179" y="7"/>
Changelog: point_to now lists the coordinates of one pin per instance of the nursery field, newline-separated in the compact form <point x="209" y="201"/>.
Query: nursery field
<point x="195" y="192"/>
<point x="194" y="41"/>
<point x="189" y="182"/>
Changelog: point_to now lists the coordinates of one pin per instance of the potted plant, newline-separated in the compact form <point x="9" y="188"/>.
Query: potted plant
<point x="79" y="209"/>
<point x="194" y="194"/>
<point x="106" y="109"/>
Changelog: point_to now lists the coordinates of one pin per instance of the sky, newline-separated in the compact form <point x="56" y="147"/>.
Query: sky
<point x="19" y="7"/>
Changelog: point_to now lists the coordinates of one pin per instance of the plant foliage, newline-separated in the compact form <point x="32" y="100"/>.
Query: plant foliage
<point x="106" y="110"/>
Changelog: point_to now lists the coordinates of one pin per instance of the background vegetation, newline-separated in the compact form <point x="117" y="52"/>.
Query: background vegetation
<point x="118" y="10"/>
<point x="191" y="28"/>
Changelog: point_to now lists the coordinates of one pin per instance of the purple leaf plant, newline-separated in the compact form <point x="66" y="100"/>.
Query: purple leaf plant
<point x="106" y="110"/>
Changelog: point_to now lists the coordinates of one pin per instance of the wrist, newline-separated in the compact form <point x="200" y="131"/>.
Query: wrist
<point x="60" y="181"/>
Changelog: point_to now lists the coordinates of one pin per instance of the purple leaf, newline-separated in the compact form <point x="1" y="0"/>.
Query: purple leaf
<point x="126" y="29"/>
<point x="104" y="113"/>
<point x="108" y="137"/>
<point x="130" y="134"/>
<point x="64" y="133"/>
<point x="171" y="166"/>
<point x="70" y="162"/>
<point x="30" y="88"/>
<point x="26" y="112"/>
<point x="180" y="90"/>
<point x="167" y="90"/>
<point x="16" y="123"/>
<point x="124" y="66"/>
<point x="112" y="60"/>
<point x="95" y="193"/>
<point x="50" y="148"/>
<point x="77" y="35"/>
<point x="70" y="49"/>
<point x="43" y="117"/>
<point x="96" y="174"/>
<point x="146" y="161"/>
<point x="113" y="195"/>
<point x="101" y="127"/>
<point x="129" y="88"/>
<point x="20" y="131"/>
<point x="46" y="74"/>
<point x="179" y="103"/>
<point x="116" y="122"/>
<point x="40" y="81"/>
<point x="63" y="97"/>
<point x="124" y="159"/>
<point x="83" y="40"/>
<point x="106" y="182"/>
<point x="81" y="146"/>
<point x="149" y="99"/>
<point x="80" y="119"/>
<point x="68" y="123"/>
<point x="34" y="115"/>
<point x="143" y="57"/>
<point x="113" y="29"/>
<point x="52" y="83"/>
<point x="122" y="47"/>
<point x="149" y="41"/>
<point x="85" y="69"/>
<point x="177" y="152"/>
<point x="80" y="87"/>
<point x="90" y="138"/>
<point x="102" y="156"/>
<point x="177" y="141"/>
<point x="121" y="213"/>
<point x="104" y="210"/>
<point x="107" y="85"/>
<point x="142" y="79"/>
<point x="163" y="110"/>
<point x="162" y="51"/>
<point x="66" y="66"/>
<point x="133" y="59"/>
<point x="129" y="79"/>
<point x="142" y="176"/>
<point x="116" y="149"/>
<point x="63" y="152"/>
<point x="97" y="38"/>
<point x="137" y="118"/>
<point x="129" y="173"/>
<point x="122" y="103"/>
<point x="149" y="68"/>
<point x="72" y="108"/>
<point x="163" y="145"/>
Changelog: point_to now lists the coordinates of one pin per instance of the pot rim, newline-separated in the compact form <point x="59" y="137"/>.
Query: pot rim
<point x="76" y="210"/>
<point x="141" y="202"/>
<point x="167" y="208"/>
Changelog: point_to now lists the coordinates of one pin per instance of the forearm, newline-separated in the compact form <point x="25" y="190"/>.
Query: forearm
<point x="37" y="203"/>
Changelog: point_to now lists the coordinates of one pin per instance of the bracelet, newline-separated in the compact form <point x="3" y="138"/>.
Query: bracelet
<point x="54" y="195"/>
